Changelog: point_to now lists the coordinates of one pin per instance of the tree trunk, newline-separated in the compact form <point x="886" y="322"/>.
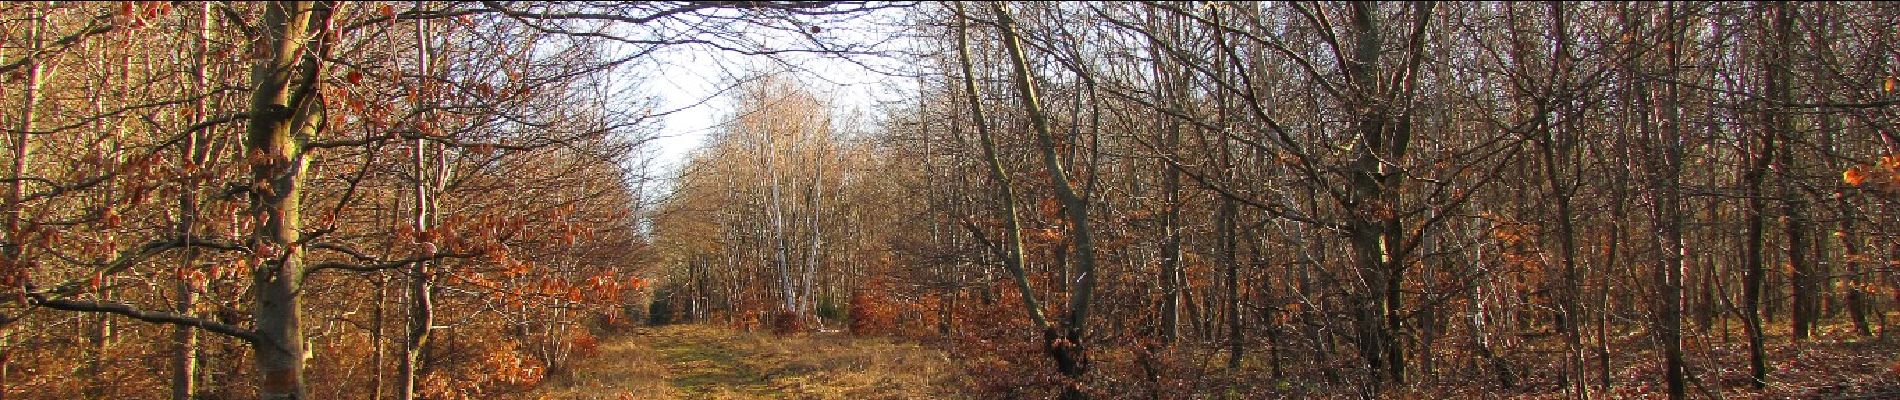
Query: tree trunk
<point x="1667" y="214"/>
<point x="1224" y="231"/>
<point x="1168" y="84"/>
<point x="781" y="261"/>
<point x="185" y="355"/>
<point x="1764" y="155"/>
<point x="1069" y="349"/>
<point x="1752" y="250"/>
<point x="1013" y="248"/>
<point x="377" y="315"/>
<point x="15" y="250"/>
<point x="421" y="286"/>
<point x="283" y="115"/>
<point x="1794" y="205"/>
<point x="1371" y="202"/>
<point x="1375" y="178"/>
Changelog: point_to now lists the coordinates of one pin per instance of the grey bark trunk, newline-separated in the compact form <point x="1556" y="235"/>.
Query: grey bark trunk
<point x="1006" y="193"/>
<point x="15" y="251"/>
<point x="185" y="355"/>
<point x="283" y="114"/>
<point x="1069" y="347"/>
<point x="421" y="303"/>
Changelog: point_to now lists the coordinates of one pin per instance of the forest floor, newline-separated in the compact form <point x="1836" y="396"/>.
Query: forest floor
<point x="709" y="362"/>
<point x="1835" y="364"/>
<point x="713" y="362"/>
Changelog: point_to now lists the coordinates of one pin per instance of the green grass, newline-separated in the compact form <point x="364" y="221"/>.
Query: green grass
<point x="704" y="362"/>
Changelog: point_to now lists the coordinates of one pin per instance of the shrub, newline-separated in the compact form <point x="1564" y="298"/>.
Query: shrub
<point x="870" y="314"/>
<point x="787" y="323"/>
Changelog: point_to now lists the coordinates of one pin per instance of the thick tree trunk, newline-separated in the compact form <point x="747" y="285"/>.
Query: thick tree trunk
<point x="1375" y="178"/>
<point x="185" y="355"/>
<point x="1370" y="207"/>
<point x="283" y="115"/>
<point x="1856" y="297"/>
<point x="416" y="336"/>
<point x="377" y="315"/>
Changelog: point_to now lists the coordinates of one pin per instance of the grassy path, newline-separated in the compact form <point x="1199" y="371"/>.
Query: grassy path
<point x="702" y="362"/>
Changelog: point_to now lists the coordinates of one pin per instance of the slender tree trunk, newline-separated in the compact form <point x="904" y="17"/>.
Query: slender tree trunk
<point x="421" y="301"/>
<point x="15" y="251"/>
<point x="1752" y="250"/>
<point x="1172" y="279"/>
<point x="377" y="315"/>
<point x="16" y="187"/>
<point x="1167" y="84"/>
<point x="1556" y="148"/>
<point x="1070" y="350"/>
<point x="421" y="285"/>
<point x="1013" y="258"/>
<point x="1668" y="215"/>
<point x="1224" y="231"/>
<point x="813" y="255"/>
<point x="1226" y="216"/>
<point x="1794" y="205"/>
<point x="1611" y="252"/>
<point x="1753" y="278"/>
<point x="1821" y="37"/>
<point x="100" y="332"/>
<point x="185" y="356"/>
<point x="781" y="262"/>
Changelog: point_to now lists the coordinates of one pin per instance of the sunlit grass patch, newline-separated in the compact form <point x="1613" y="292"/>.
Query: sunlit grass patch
<point x="703" y="362"/>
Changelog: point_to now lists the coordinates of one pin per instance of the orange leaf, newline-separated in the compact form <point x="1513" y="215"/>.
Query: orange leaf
<point x="1049" y="208"/>
<point x="1853" y="176"/>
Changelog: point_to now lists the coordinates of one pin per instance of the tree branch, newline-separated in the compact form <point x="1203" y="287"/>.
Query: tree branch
<point x="131" y="257"/>
<point x="147" y="316"/>
<point x="384" y="265"/>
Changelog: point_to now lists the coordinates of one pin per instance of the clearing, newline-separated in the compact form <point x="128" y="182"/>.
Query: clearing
<point x="708" y="362"/>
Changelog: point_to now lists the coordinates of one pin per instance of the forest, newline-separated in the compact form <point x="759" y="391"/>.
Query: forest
<point x="1074" y="200"/>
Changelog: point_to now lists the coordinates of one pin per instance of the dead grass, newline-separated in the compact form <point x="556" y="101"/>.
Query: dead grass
<point x="704" y="362"/>
<point x="626" y="368"/>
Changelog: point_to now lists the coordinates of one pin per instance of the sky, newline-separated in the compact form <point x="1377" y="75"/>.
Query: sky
<point x="691" y="79"/>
